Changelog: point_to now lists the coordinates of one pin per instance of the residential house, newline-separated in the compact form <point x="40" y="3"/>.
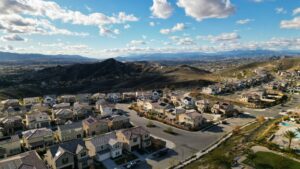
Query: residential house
<point x="105" y="108"/>
<point x="223" y="108"/>
<point x="160" y="108"/>
<point x="210" y="90"/>
<point x="9" y="145"/>
<point x="188" y="102"/>
<point x="118" y="122"/>
<point x="98" y="96"/>
<point x="31" y="101"/>
<point x="37" y="138"/>
<point x="37" y="119"/>
<point x="250" y="98"/>
<point x="62" y="115"/>
<point x="94" y="126"/>
<point x="49" y="100"/>
<point x="104" y="146"/>
<point x="67" y="99"/>
<point x="70" y="131"/>
<point x="129" y="96"/>
<point x="157" y="94"/>
<point x="134" y="138"/>
<point x="11" y="124"/>
<point x="68" y="155"/>
<point x="10" y="103"/>
<point x="61" y="106"/>
<point x="173" y="114"/>
<point x="82" y="110"/>
<point x="114" y="97"/>
<point x="145" y="105"/>
<point x="202" y="105"/>
<point x="27" y="160"/>
<point x="191" y="119"/>
<point x="84" y="98"/>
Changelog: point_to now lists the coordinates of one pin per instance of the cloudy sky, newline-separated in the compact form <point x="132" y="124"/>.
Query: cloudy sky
<point x="108" y="28"/>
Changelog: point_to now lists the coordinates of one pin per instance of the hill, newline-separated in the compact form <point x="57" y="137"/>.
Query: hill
<point x="27" y="59"/>
<point x="105" y="76"/>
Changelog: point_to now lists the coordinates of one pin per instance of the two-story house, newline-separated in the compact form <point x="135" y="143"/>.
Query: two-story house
<point x="191" y="119"/>
<point x="70" y="131"/>
<point x="37" y="119"/>
<point x="9" y="145"/>
<point x="118" y="122"/>
<point x="134" y="138"/>
<point x="37" y="138"/>
<point x="28" y="160"/>
<point x="68" y="155"/>
<point x="61" y="116"/>
<point x="94" y="126"/>
<point x="11" y="124"/>
<point x="104" y="146"/>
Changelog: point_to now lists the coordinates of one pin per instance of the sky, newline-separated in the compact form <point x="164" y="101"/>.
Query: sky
<point x="110" y="28"/>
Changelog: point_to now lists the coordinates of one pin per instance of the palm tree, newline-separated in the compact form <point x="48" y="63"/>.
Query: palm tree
<point x="290" y="135"/>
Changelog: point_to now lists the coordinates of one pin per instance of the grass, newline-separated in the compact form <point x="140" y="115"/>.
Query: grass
<point x="267" y="160"/>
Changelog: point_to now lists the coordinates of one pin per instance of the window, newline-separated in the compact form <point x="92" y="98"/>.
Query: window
<point x="134" y="140"/>
<point x="65" y="160"/>
<point x="83" y="154"/>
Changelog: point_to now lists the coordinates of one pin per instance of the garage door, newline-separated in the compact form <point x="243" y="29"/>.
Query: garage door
<point x="103" y="156"/>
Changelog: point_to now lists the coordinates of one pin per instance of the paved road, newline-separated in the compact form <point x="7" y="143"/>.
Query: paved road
<point x="186" y="143"/>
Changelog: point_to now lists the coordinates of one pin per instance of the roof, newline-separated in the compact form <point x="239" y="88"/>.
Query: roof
<point x="128" y="133"/>
<point x="73" y="146"/>
<point x="71" y="126"/>
<point x="36" y="133"/>
<point x="27" y="160"/>
<point x="119" y="118"/>
<point x="193" y="114"/>
<point x="10" y="119"/>
<point x="103" y="139"/>
<point x="9" y="139"/>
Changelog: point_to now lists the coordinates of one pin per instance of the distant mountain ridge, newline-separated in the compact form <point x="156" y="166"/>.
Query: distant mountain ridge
<point x="206" y="56"/>
<point x="18" y="58"/>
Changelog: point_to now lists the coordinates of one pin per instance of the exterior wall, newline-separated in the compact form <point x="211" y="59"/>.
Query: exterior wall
<point x="11" y="148"/>
<point x="59" y="162"/>
<point x="46" y="139"/>
<point x="70" y="134"/>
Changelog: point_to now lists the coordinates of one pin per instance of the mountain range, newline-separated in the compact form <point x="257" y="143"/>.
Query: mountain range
<point x="18" y="58"/>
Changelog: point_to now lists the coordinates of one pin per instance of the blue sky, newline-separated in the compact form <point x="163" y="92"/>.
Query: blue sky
<point x="109" y="28"/>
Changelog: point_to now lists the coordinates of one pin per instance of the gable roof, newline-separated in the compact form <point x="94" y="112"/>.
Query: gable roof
<point x="103" y="139"/>
<point x="128" y="133"/>
<point x="27" y="160"/>
<point x="36" y="133"/>
<point x="71" y="126"/>
<point x="72" y="146"/>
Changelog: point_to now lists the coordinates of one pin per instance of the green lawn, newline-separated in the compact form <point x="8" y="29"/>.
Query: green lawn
<point x="267" y="160"/>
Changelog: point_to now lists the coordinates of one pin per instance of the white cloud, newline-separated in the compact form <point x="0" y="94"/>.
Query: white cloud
<point x="291" y="24"/>
<point x="221" y="38"/>
<point x="127" y="26"/>
<point x="135" y="43"/>
<point x="12" y="37"/>
<point x="177" y="27"/>
<point x="161" y="9"/>
<point x="152" y="24"/>
<point x="280" y="10"/>
<point x="243" y="21"/>
<point x="205" y="9"/>
<point x="296" y="11"/>
<point x="26" y="10"/>
<point x="103" y="31"/>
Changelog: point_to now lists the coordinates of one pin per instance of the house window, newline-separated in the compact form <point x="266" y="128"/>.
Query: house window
<point x="83" y="154"/>
<point x="65" y="160"/>
<point x="134" y="140"/>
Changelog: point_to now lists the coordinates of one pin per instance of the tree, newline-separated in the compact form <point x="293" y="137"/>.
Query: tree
<point x="298" y="130"/>
<point x="290" y="135"/>
<point x="260" y="119"/>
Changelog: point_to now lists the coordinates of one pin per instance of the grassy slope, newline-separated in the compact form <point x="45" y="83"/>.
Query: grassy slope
<point x="264" y="160"/>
